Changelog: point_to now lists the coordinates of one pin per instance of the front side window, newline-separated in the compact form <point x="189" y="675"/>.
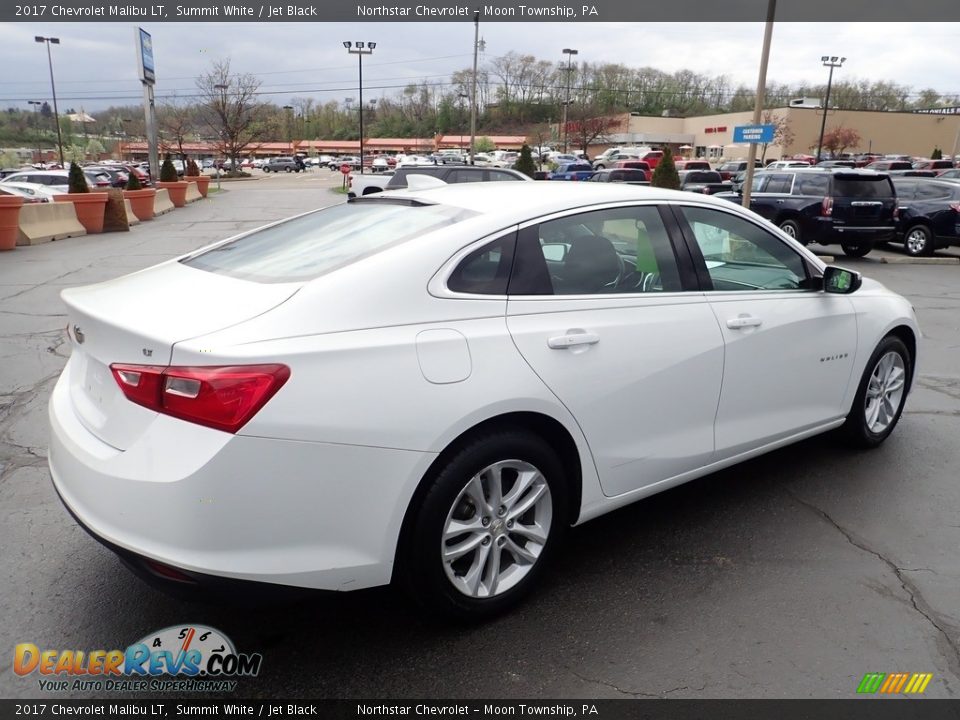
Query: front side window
<point x="614" y="251"/>
<point x="742" y="256"/>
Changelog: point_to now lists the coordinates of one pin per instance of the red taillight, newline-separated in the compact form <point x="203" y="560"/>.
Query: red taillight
<point x="826" y="207"/>
<point x="221" y="397"/>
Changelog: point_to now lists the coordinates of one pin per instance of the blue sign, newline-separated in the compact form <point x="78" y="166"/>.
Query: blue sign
<point x="145" y="45"/>
<point x="753" y="134"/>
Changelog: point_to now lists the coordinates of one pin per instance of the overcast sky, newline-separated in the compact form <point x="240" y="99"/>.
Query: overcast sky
<point x="95" y="64"/>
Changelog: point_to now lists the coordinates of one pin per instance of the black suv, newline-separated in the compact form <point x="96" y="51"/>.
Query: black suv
<point x="856" y="208"/>
<point x="929" y="214"/>
<point x="453" y="174"/>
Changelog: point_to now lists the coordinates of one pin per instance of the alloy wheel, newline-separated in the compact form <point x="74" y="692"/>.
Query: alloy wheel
<point x="884" y="392"/>
<point x="496" y="529"/>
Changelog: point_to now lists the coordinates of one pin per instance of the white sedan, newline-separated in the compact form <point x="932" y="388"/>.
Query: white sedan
<point x="428" y="387"/>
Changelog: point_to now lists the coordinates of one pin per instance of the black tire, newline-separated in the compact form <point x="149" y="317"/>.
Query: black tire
<point x="856" y="430"/>
<point x="792" y="228"/>
<point x="289" y="169"/>
<point x="421" y="569"/>
<point x="855" y="249"/>
<point x="918" y="241"/>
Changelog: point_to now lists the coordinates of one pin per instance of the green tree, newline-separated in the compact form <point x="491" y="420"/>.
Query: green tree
<point x="525" y="162"/>
<point x="76" y="180"/>
<point x="168" y="173"/>
<point x="484" y="144"/>
<point x="95" y="147"/>
<point x="665" y="174"/>
<point x="937" y="154"/>
<point x="133" y="182"/>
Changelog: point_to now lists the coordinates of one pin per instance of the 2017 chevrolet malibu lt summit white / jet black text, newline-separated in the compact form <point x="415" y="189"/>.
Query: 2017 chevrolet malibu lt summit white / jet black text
<point x="428" y="386"/>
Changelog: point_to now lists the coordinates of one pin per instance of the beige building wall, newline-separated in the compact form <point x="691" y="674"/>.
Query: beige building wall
<point x="915" y="134"/>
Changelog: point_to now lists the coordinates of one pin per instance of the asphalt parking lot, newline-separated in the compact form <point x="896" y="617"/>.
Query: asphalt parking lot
<point x="789" y="576"/>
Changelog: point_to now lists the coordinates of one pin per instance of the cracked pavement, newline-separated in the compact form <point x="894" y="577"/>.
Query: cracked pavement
<point x="788" y="576"/>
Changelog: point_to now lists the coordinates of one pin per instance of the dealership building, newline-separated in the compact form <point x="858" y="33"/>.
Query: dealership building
<point x="711" y="136"/>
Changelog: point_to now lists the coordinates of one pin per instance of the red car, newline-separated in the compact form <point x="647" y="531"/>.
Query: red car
<point x="636" y="165"/>
<point x="692" y="165"/>
<point x="940" y="165"/>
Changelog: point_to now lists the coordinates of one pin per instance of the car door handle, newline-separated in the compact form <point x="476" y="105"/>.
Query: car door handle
<point x="744" y="321"/>
<point x="781" y="200"/>
<point x="561" y="342"/>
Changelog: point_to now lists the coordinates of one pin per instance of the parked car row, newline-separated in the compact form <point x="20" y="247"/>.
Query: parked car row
<point x="858" y="208"/>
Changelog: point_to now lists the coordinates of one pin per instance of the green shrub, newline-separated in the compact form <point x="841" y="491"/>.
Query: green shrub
<point x="937" y="154"/>
<point x="76" y="180"/>
<point x="168" y="173"/>
<point x="525" y="162"/>
<point x="133" y="182"/>
<point x="665" y="174"/>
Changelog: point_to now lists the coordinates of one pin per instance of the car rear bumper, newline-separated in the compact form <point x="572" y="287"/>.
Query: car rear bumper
<point x="205" y="503"/>
<point x="825" y="231"/>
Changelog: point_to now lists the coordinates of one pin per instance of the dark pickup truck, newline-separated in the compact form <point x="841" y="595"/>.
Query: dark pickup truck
<point x="706" y="182"/>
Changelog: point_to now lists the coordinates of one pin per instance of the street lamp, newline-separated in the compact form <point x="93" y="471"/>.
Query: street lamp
<point x="36" y="121"/>
<point x="569" y="52"/>
<point x="53" y="88"/>
<point x="830" y="61"/>
<point x="360" y="49"/>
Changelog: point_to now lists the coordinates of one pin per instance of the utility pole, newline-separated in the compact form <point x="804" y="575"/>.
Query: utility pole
<point x="758" y="102"/>
<point x="830" y="62"/>
<point x="473" y="84"/>
<point x="569" y="52"/>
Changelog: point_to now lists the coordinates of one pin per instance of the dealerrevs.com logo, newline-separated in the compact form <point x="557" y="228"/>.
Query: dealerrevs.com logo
<point x="180" y="658"/>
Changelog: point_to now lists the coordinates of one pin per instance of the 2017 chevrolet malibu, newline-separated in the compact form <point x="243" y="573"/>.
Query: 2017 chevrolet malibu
<point x="427" y="387"/>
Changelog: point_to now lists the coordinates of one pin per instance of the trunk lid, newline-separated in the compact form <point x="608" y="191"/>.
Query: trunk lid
<point x="137" y="319"/>
<point x="863" y="200"/>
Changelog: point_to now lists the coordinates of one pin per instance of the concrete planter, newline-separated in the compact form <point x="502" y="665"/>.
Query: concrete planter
<point x="141" y="202"/>
<point x="177" y="191"/>
<point x="89" y="207"/>
<point x="9" y="220"/>
<point x="202" y="181"/>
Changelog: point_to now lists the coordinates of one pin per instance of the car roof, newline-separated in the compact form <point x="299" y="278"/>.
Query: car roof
<point x="516" y="201"/>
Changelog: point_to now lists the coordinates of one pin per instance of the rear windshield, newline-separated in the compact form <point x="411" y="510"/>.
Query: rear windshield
<point x="862" y="187"/>
<point x="312" y="245"/>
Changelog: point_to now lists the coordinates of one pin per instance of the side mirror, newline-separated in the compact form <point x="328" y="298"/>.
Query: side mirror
<point x="840" y="280"/>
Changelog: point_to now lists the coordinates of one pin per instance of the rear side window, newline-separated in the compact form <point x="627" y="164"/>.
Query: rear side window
<point x="906" y="189"/>
<point x="863" y="187"/>
<point x="816" y="185"/>
<point x="779" y="184"/>
<point x="321" y="242"/>
<point x="485" y="271"/>
<point x="926" y="191"/>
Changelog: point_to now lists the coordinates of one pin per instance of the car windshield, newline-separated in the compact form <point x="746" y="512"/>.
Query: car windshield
<point x="312" y="245"/>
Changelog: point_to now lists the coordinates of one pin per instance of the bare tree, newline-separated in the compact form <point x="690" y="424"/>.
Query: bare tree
<point x="231" y="109"/>
<point x="178" y="121"/>
<point x="589" y="128"/>
<point x="782" y="132"/>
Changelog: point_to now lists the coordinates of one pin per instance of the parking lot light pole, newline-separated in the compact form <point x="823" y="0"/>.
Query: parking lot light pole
<point x="360" y="49"/>
<point x="53" y="88"/>
<point x="830" y="61"/>
<point x="569" y="52"/>
<point x="36" y="121"/>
